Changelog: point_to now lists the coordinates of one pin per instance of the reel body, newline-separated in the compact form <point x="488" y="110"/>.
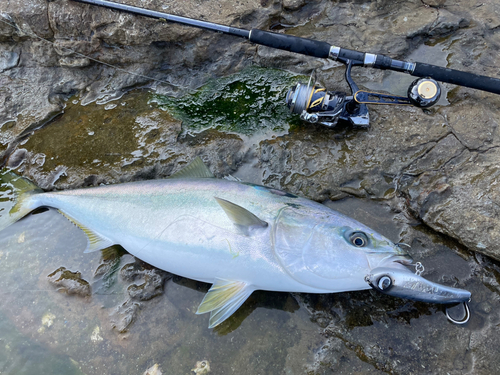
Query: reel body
<point x="315" y="104"/>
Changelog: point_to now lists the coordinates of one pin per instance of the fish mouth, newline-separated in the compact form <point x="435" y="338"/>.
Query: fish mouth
<point x="399" y="247"/>
<point x="404" y="259"/>
<point x="399" y="259"/>
<point x="402" y="256"/>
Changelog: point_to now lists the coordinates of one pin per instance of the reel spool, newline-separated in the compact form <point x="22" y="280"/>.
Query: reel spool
<point x="315" y="104"/>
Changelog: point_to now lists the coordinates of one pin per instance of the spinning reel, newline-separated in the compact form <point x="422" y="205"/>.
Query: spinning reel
<point x="315" y="104"/>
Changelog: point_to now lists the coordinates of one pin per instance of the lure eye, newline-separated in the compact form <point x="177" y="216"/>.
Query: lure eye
<point x="359" y="239"/>
<point x="384" y="283"/>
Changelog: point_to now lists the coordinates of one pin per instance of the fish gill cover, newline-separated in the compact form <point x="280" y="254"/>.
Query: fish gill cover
<point x="247" y="102"/>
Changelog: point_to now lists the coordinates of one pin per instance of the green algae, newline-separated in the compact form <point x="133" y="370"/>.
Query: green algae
<point x="90" y="135"/>
<point x="247" y="102"/>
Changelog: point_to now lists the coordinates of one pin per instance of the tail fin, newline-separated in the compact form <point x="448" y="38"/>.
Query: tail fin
<point x="15" y="194"/>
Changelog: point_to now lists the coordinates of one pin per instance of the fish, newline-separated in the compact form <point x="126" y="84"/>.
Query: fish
<point x="237" y="236"/>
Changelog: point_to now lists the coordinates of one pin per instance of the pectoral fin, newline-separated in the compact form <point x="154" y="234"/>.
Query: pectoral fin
<point x="223" y="299"/>
<point x="95" y="241"/>
<point x="241" y="217"/>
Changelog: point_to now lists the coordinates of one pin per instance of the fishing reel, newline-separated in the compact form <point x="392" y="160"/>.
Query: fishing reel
<point x="315" y="104"/>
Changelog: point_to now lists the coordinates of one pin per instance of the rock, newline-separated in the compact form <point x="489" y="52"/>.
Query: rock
<point x="293" y="4"/>
<point x="69" y="121"/>
<point x="8" y="60"/>
<point x="108" y="38"/>
<point x="124" y="315"/>
<point x="148" y="284"/>
<point x="153" y="370"/>
<point x="70" y="282"/>
<point x="202" y="367"/>
<point x="463" y="203"/>
<point x="152" y="285"/>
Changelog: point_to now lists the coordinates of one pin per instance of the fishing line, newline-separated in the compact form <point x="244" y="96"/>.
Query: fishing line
<point x="33" y="35"/>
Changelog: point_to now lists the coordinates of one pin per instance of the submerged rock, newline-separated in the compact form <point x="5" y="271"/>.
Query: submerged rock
<point x="153" y="370"/>
<point x="148" y="283"/>
<point x="202" y="367"/>
<point x="70" y="282"/>
<point x="153" y="278"/>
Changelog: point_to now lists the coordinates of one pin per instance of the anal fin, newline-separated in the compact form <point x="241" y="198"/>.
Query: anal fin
<point x="223" y="299"/>
<point x="95" y="241"/>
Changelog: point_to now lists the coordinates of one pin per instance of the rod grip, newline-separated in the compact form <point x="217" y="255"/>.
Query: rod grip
<point x="290" y="43"/>
<point x="457" y="77"/>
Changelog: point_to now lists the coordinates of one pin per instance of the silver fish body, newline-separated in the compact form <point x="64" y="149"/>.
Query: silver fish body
<point x="179" y="226"/>
<point x="239" y="237"/>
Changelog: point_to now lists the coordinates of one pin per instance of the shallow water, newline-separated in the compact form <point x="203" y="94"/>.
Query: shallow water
<point x="166" y="330"/>
<point x="272" y="332"/>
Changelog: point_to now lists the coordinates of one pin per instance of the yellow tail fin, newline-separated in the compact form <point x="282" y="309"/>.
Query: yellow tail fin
<point x="16" y="193"/>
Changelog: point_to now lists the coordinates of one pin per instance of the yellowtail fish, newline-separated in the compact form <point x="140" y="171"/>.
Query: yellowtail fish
<point x="237" y="236"/>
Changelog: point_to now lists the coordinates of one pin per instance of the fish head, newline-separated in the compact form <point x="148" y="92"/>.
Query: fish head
<point x="329" y="251"/>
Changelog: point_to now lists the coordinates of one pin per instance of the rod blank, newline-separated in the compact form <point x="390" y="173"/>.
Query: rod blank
<point x="169" y="17"/>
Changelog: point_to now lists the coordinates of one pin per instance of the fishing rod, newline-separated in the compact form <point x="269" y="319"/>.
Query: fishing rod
<point x="314" y="103"/>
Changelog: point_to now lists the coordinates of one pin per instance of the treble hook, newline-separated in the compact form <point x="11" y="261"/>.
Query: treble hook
<point x="465" y="318"/>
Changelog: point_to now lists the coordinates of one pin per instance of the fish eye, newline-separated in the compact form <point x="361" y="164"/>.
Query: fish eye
<point x="384" y="282"/>
<point x="359" y="239"/>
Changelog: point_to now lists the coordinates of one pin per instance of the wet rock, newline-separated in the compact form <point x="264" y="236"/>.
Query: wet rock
<point x="464" y="203"/>
<point x="202" y="367"/>
<point x="147" y="284"/>
<point x="475" y="126"/>
<point x="434" y="3"/>
<point x="8" y="60"/>
<point x="17" y="158"/>
<point x="124" y="315"/>
<point x="293" y="4"/>
<point x="152" y="286"/>
<point x="70" y="282"/>
<point x="153" y="370"/>
<point x="445" y="150"/>
<point x="108" y="37"/>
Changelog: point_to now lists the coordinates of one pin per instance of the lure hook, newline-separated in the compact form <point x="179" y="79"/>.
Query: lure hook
<point x="465" y="318"/>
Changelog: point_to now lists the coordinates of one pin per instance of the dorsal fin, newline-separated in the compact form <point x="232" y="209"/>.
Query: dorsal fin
<point x="232" y="178"/>
<point x="95" y="241"/>
<point x="223" y="299"/>
<point x="195" y="169"/>
<point x="241" y="217"/>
